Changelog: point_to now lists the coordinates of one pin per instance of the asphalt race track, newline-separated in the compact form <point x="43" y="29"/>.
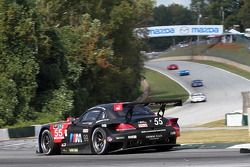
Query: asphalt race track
<point x="199" y="158"/>
<point x="223" y="91"/>
<point x="21" y="153"/>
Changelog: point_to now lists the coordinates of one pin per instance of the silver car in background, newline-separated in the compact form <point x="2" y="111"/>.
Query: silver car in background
<point x="198" y="97"/>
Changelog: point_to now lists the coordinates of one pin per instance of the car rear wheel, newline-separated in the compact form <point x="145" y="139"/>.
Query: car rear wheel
<point x="99" y="141"/>
<point x="47" y="145"/>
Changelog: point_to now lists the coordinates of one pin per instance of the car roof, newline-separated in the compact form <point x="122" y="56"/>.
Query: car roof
<point x="197" y="80"/>
<point x="109" y="107"/>
<point x="196" y="94"/>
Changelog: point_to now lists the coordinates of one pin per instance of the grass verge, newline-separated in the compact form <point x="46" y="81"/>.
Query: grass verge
<point x="226" y="67"/>
<point x="214" y="136"/>
<point x="214" y="124"/>
<point x="161" y="87"/>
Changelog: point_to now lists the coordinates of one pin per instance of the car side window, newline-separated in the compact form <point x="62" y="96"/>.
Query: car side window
<point x="102" y="115"/>
<point x="90" y="116"/>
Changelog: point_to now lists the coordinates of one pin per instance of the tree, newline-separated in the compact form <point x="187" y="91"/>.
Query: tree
<point x="64" y="56"/>
<point x="244" y="15"/>
<point x="17" y="59"/>
<point x="217" y="12"/>
<point x="199" y="9"/>
<point x="171" y="15"/>
<point x="98" y="47"/>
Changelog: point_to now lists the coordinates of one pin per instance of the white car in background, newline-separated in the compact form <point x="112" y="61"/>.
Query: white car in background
<point x="198" y="97"/>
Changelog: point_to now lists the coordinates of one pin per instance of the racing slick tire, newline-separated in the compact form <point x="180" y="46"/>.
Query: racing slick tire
<point x="47" y="145"/>
<point x="99" y="141"/>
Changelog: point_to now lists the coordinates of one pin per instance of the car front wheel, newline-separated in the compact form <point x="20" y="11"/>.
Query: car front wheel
<point x="47" y="145"/>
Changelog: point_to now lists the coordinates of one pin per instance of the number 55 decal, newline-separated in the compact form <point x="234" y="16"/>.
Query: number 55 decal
<point x="158" y="121"/>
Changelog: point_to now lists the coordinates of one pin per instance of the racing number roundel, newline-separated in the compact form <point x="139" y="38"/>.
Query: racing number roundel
<point x="58" y="131"/>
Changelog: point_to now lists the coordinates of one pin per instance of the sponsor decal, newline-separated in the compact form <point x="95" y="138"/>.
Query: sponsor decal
<point x="87" y="123"/>
<point x="85" y="138"/>
<point x="85" y="130"/>
<point x="63" y="145"/>
<point x="173" y="133"/>
<point x="118" y="107"/>
<point x="109" y="139"/>
<point x="58" y="126"/>
<point x="161" y="31"/>
<point x="73" y="150"/>
<point x="153" y="136"/>
<point x="120" y="138"/>
<point x="152" y="131"/>
<point x="132" y="137"/>
<point x="142" y="124"/>
<point x="179" y="30"/>
<point x="64" y="150"/>
<point x="75" y="138"/>
<point x="104" y="125"/>
<point x="205" y="30"/>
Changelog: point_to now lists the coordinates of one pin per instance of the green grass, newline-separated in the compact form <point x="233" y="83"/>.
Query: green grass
<point x="219" y="123"/>
<point x="161" y="87"/>
<point x="237" y="52"/>
<point x="187" y="51"/>
<point x="214" y="136"/>
<point x="226" y="67"/>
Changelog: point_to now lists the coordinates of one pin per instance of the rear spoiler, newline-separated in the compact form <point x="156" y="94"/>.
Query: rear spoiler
<point x="163" y="104"/>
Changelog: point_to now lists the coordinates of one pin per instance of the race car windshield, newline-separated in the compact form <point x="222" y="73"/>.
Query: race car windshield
<point x="197" y="94"/>
<point x="137" y="110"/>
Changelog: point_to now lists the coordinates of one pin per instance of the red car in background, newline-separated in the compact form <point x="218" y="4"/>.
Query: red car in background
<point x="172" y="67"/>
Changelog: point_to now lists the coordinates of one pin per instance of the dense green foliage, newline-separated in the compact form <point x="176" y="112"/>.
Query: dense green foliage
<point x="171" y="15"/>
<point x="61" y="57"/>
<point x="58" y="58"/>
<point x="226" y="12"/>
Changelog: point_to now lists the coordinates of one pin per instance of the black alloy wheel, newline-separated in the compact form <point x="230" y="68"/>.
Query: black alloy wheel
<point x="47" y="144"/>
<point x="99" y="141"/>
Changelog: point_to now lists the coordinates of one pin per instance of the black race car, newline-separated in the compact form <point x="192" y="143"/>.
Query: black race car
<point x="112" y="127"/>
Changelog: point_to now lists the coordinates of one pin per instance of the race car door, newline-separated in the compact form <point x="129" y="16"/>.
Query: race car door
<point x="79" y="133"/>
